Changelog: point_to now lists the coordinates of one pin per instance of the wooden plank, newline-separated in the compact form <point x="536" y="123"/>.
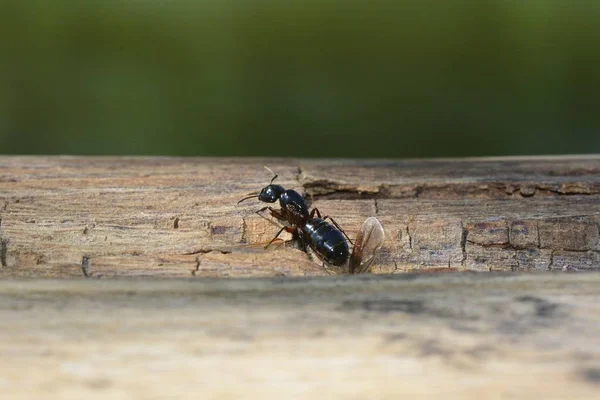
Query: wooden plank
<point x="177" y="217"/>
<point x="452" y="336"/>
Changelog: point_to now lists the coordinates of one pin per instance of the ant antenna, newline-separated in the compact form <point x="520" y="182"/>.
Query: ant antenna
<point x="248" y="197"/>
<point x="271" y="171"/>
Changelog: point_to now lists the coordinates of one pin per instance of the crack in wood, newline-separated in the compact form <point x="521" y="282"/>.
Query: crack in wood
<point x="327" y="189"/>
<point x="418" y="191"/>
<point x="504" y="246"/>
<point x="85" y="266"/>
<point x="3" y="251"/>
<point x="206" y="251"/>
<point x="197" y="268"/>
<point x="463" y="244"/>
<point x="341" y="194"/>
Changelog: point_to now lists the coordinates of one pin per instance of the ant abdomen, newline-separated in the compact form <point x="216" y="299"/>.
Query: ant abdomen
<point x="327" y="241"/>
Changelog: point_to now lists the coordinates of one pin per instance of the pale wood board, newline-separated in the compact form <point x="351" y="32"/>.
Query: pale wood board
<point x="177" y="217"/>
<point x="451" y="336"/>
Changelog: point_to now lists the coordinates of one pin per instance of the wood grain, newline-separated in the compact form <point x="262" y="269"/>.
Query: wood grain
<point x="451" y="336"/>
<point x="177" y="217"/>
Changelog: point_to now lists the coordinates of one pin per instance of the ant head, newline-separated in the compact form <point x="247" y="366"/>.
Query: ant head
<point x="271" y="193"/>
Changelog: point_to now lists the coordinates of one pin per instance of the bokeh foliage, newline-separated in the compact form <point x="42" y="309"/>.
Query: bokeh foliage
<point x="300" y="77"/>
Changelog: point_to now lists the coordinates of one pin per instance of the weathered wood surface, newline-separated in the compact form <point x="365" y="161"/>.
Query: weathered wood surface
<point x="124" y="216"/>
<point x="451" y="336"/>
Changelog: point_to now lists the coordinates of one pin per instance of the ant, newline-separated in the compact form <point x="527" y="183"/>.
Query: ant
<point x="329" y="241"/>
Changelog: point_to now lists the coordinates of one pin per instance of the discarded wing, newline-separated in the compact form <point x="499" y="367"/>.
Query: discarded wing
<point x="368" y="242"/>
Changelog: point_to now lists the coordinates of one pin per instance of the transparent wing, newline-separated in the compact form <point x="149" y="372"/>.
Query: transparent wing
<point x="368" y="242"/>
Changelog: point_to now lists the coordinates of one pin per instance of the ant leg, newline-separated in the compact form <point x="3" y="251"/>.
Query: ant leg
<point x="270" y="220"/>
<point x="275" y="238"/>
<point x="313" y="212"/>
<point x="303" y="241"/>
<point x="280" y="242"/>
<point x="299" y="236"/>
<point x="339" y="227"/>
<point x="277" y="214"/>
<point x="274" y="213"/>
<point x="297" y="241"/>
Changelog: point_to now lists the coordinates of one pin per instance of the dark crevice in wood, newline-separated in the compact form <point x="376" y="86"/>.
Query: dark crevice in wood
<point x="85" y="266"/>
<point x="463" y="244"/>
<point x="503" y="246"/>
<point x="342" y="194"/>
<point x="551" y="264"/>
<point x="418" y="191"/>
<point x="324" y="189"/>
<point x="3" y="251"/>
<point x="588" y="251"/>
<point x="206" y="251"/>
<point x="197" y="268"/>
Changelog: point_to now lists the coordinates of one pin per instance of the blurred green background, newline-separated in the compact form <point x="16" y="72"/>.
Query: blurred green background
<point x="300" y="77"/>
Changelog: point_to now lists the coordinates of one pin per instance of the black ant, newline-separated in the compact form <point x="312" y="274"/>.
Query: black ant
<point x="330" y="242"/>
